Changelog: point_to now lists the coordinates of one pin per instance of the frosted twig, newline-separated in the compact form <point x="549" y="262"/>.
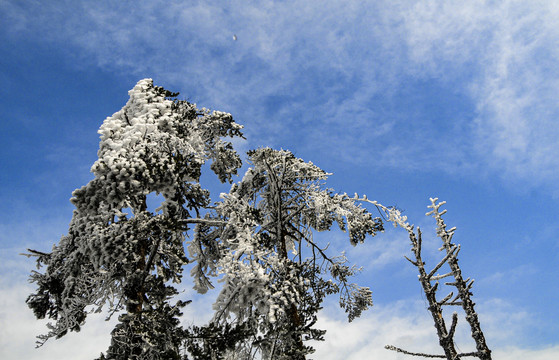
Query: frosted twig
<point x="463" y="286"/>
<point x="397" y="349"/>
<point x="451" y="254"/>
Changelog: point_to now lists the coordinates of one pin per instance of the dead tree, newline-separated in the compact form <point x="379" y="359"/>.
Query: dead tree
<point x="462" y="298"/>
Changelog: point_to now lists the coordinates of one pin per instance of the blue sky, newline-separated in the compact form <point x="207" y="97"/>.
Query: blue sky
<point x="400" y="100"/>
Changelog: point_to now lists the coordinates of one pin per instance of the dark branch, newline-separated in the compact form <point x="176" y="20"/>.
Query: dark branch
<point x="394" y="348"/>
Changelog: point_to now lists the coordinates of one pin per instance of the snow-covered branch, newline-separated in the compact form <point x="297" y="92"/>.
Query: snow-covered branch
<point x="156" y="144"/>
<point x="446" y="336"/>
<point x="275" y="274"/>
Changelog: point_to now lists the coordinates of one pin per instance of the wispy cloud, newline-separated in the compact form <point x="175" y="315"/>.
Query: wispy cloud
<point x="507" y="51"/>
<point x="460" y="88"/>
<point x="315" y="74"/>
<point x="407" y="324"/>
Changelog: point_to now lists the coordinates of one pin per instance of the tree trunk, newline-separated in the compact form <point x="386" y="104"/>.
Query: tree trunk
<point x="467" y="304"/>
<point x="292" y="311"/>
<point x="445" y="339"/>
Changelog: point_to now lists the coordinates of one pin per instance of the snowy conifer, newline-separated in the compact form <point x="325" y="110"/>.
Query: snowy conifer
<point x="275" y="274"/>
<point x="117" y="252"/>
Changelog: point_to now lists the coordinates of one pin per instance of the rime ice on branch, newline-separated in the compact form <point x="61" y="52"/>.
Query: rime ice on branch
<point x="462" y="298"/>
<point x="119" y="253"/>
<point x="275" y="273"/>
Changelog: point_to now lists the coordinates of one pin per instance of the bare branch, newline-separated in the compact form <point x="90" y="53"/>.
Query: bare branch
<point x="443" y="301"/>
<point x="439" y="277"/>
<point x="413" y="262"/>
<point x="453" y="326"/>
<point x="394" y="348"/>
<point x="452" y="253"/>
<point x="209" y="222"/>
<point x="35" y="253"/>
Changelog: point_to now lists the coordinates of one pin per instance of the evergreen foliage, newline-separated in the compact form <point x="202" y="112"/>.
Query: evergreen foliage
<point x="119" y="254"/>
<point x="275" y="274"/>
<point x="259" y="241"/>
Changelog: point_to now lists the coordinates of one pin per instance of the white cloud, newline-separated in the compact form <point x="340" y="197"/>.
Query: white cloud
<point x="407" y="324"/>
<point x="323" y="74"/>
<point x="366" y="337"/>
<point x="19" y="329"/>
<point x="317" y="72"/>
<point x="514" y="353"/>
<point x="508" y="51"/>
<point x="516" y="95"/>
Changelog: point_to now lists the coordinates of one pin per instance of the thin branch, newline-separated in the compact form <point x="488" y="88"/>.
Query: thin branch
<point x="397" y="349"/>
<point x="35" y="253"/>
<point x="453" y="326"/>
<point x="443" y="301"/>
<point x="451" y="254"/>
<point x="461" y="355"/>
<point x="439" y="277"/>
<point x="413" y="262"/>
<point x="208" y="222"/>
<point x="456" y="303"/>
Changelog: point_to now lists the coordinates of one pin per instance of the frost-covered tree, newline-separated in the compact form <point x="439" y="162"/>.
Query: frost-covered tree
<point x="118" y="253"/>
<point x="275" y="274"/>
<point x="430" y="284"/>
